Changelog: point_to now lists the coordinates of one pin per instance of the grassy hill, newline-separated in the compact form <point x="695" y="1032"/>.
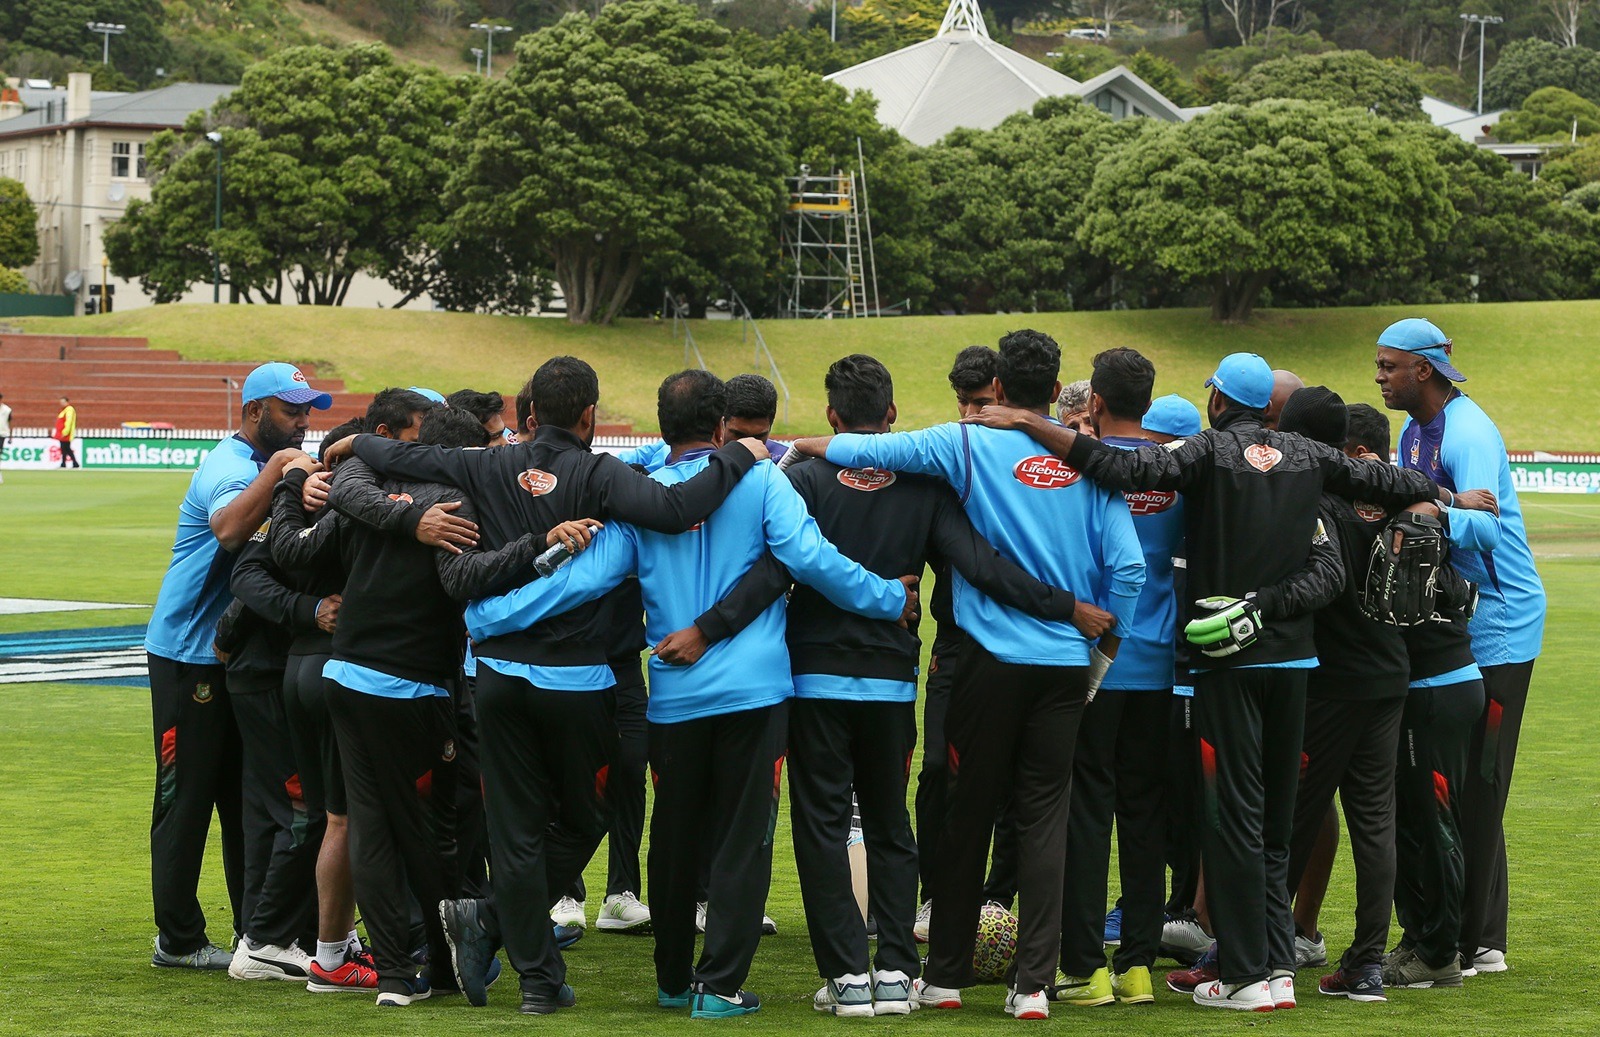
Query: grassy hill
<point x="1531" y="365"/>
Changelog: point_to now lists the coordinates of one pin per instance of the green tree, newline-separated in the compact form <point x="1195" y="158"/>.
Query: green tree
<point x="1224" y="65"/>
<point x="1346" y="78"/>
<point x="13" y="283"/>
<point x="1549" y="113"/>
<point x="61" y="26"/>
<point x="1571" y="168"/>
<point x="334" y="163"/>
<point x="1165" y="77"/>
<point x="1281" y="191"/>
<point x="636" y="139"/>
<point x="1528" y="65"/>
<point x="19" y="225"/>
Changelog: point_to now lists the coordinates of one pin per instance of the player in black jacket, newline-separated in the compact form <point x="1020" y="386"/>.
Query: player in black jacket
<point x="1251" y="497"/>
<point x="545" y="699"/>
<point x="853" y="721"/>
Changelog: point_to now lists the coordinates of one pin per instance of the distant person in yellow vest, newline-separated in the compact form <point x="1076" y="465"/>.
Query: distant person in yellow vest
<point x="66" y="430"/>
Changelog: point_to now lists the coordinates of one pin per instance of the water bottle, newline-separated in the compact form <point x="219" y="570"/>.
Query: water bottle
<point x="552" y="559"/>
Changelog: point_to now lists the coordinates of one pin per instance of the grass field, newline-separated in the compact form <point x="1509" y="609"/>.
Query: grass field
<point x="75" y="787"/>
<point x="1531" y="364"/>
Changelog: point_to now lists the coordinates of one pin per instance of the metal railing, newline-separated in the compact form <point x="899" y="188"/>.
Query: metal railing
<point x="680" y="325"/>
<point x="749" y="328"/>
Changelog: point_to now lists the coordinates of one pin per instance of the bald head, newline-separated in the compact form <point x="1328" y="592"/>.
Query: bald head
<point x="1284" y="385"/>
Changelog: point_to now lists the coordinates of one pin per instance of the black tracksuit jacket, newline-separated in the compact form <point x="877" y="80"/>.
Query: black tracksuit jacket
<point x="1357" y="657"/>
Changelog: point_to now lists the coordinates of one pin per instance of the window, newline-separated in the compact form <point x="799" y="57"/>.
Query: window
<point x="139" y="165"/>
<point x="22" y="164"/>
<point x="121" y="152"/>
<point x="5" y="164"/>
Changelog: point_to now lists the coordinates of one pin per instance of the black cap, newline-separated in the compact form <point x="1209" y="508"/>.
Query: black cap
<point x="1318" y="413"/>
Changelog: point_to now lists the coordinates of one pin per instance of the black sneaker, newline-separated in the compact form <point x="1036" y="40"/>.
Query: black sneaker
<point x="545" y="1004"/>
<point x="397" y="993"/>
<point x="471" y="948"/>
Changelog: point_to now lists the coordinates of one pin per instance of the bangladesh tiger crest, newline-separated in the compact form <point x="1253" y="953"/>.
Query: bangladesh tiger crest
<point x="865" y="479"/>
<point x="202" y="693"/>
<point x="537" y="482"/>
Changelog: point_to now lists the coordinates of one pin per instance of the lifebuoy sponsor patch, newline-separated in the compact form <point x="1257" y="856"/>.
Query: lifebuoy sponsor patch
<point x="537" y="482"/>
<point x="865" y="479"/>
<point x="1262" y="457"/>
<point x="1045" y="472"/>
<point x="1370" y="512"/>
<point x="1150" y="502"/>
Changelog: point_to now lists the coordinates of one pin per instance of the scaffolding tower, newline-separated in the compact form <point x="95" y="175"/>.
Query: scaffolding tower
<point x="827" y="244"/>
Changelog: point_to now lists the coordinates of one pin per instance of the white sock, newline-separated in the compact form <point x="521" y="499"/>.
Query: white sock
<point x="330" y="955"/>
<point x="353" y="942"/>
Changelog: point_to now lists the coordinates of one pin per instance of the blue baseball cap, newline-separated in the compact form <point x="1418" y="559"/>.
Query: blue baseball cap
<point x="1172" y="416"/>
<point x="1244" y="377"/>
<point x="428" y="393"/>
<point x="1422" y="337"/>
<point x="286" y="383"/>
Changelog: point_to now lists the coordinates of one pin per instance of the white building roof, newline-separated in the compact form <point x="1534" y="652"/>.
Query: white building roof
<point x="1123" y="81"/>
<point x="1463" y="122"/>
<point x="166" y="107"/>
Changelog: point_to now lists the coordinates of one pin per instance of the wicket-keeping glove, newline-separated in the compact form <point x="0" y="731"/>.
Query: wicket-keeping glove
<point x="1233" y="624"/>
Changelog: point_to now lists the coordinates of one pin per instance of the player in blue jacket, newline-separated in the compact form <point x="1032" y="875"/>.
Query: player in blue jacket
<point x="1448" y="437"/>
<point x="1021" y="686"/>
<point x="717" y="727"/>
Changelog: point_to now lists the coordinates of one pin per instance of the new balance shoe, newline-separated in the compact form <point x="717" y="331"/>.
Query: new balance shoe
<point x="924" y="918"/>
<point x="891" y="993"/>
<point x="718" y="1006"/>
<point x="209" y="958"/>
<point x="1083" y="991"/>
<point x="1113" y="933"/>
<point x="267" y="961"/>
<point x="926" y="995"/>
<point x="1282" y="990"/>
<point x="1187" y="981"/>
<point x="547" y="1004"/>
<point x="354" y="975"/>
<point x="471" y="947"/>
<point x="666" y="1000"/>
<point x="566" y="935"/>
<point x="568" y="911"/>
<point x="1133" y="987"/>
<point x="1362" y="983"/>
<point x="1414" y="973"/>
<point x="1243" y="997"/>
<point x="1183" y="940"/>
<point x="1487" y="959"/>
<point x="700" y="917"/>
<point x="398" y="993"/>
<point x="850" y="995"/>
<point x="622" y="913"/>
<point x="1310" y="952"/>
<point x="1027" y="1006"/>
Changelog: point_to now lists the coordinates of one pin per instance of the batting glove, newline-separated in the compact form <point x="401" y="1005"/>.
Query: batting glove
<point x="1233" y="624"/>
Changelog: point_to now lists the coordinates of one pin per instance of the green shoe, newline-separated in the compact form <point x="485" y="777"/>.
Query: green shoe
<point x="1133" y="987"/>
<point x="1083" y="992"/>
<point x="666" y="1000"/>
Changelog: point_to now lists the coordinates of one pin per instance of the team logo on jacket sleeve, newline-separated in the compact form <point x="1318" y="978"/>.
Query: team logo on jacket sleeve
<point x="401" y="498"/>
<point x="865" y="479"/>
<point x="537" y="482"/>
<point x="1263" y="458"/>
<point x="1150" y="502"/>
<point x="1045" y="472"/>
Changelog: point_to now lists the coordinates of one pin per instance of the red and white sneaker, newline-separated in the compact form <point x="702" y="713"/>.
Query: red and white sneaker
<point x="1187" y="981"/>
<point x="354" y="974"/>
<point x="1282" y="988"/>
<point x="1243" y="997"/>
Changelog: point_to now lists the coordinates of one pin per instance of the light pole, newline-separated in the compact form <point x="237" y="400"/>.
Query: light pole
<point x="106" y="31"/>
<point x="216" y="257"/>
<point x="1482" y="20"/>
<point x="477" y="57"/>
<point x="491" y="31"/>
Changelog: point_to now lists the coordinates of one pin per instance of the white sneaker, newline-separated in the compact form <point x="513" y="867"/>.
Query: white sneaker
<point x="892" y="993"/>
<point x="924" y="919"/>
<point x="927" y="995"/>
<point x="622" y="913"/>
<point x="1027" y="1006"/>
<point x="1310" y="951"/>
<point x="265" y="961"/>
<point x="768" y="926"/>
<point x="1282" y="990"/>
<point x="1183" y="940"/>
<point x="850" y="996"/>
<point x="1245" y="997"/>
<point x="700" y="917"/>
<point x="1488" y="960"/>
<point x="568" y="912"/>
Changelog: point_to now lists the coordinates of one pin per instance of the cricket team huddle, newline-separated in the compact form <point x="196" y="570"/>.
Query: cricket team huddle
<point x="406" y="678"/>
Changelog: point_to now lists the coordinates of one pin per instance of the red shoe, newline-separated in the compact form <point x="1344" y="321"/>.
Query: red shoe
<point x="1185" y="981"/>
<point x="352" y="975"/>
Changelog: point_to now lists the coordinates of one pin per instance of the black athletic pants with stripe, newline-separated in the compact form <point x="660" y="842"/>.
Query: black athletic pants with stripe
<point x="717" y="781"/>
<point x="397" y="756"/>
<point x="1430" y="887"/>
<point x="472" y="828"/>
<point x="1012" y="729"/>
<point x="1183" y="805"/>
<point x="1350" y="748"/>
<point x="1119" y="773"/>
<point x="546" y="757"/>
<point x="197" y="771"/>
<point x="281" y="835"/>
<point x="1250" y="722"/>
<point x="834" y="746"/>
<point x="629" y="772"/>
<point x="1493" y="754"/>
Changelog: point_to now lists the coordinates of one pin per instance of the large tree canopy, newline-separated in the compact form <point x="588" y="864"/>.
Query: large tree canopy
<point x="19" y="225"/>
<point x="1528" y="65"/>
<point x="1552" y="114"/>
<point x="1347" y="78"/>
<point x="634" y="139"/>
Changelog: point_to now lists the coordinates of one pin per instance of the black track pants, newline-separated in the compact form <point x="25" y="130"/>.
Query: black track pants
<point x="1183" y="804"/>
<point x="1493" y="754"/>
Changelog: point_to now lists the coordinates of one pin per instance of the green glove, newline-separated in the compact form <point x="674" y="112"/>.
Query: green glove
<point x="1233" y="624"/>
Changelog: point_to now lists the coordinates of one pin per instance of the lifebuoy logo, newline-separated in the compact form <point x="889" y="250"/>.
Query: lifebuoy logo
<point x="1150" y="502"/>
<point x="1370" y="512"/>
<point x="1263" y="458"/>
<point x="865" y="479"/>
<point x="403" y="498"/>
<point x="537" y="482"/>
<point x="1045" y="472"/>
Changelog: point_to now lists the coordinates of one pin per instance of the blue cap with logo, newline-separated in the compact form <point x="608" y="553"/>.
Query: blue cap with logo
<point x="286" y="383"/>
<point x="1422" y="337"/>
<point x="1172" y="416"/>
<point x="1244" y="377"/>
<point x="430" y="394"/>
